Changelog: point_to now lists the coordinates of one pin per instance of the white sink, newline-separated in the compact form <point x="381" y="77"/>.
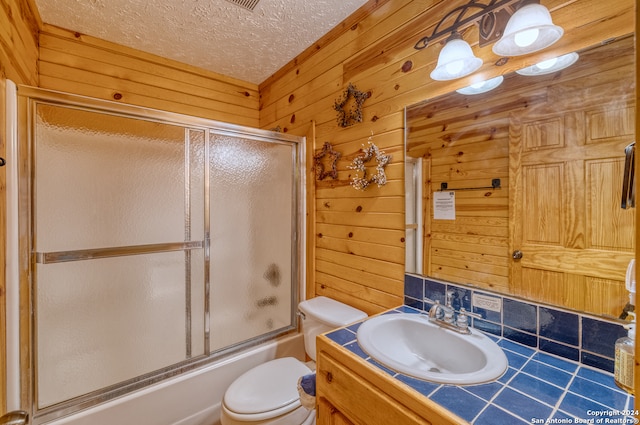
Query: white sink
<point x="412" y="345"/>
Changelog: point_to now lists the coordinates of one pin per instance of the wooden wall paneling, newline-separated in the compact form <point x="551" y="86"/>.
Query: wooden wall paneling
<point x="451" y="144"/>
<point x="362" y="264"/>
<point x="369" y="215"/>
<point x="427" y="190"/>
<point x="374" y="57"/>
<point x="92" y="53"/>
<point x="388" y="237"/>
<point x="85" y="65"/>
<point x="333" y="56"/>
<point x="310" y="219"/>
<point x="300" y="101"/>
<point x="291" y="74"/>
<point x="417" y="89"/>
<point x="19" y="26"/>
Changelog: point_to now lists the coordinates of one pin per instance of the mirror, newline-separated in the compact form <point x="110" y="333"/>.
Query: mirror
<point x="518" y="190"/>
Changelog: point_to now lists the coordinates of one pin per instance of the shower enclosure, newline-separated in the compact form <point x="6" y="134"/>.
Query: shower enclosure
<point x="150" y="243"/>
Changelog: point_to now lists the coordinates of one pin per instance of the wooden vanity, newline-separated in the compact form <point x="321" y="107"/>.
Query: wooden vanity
<point x="352" y="391"/>
<point x="351" y="388"/>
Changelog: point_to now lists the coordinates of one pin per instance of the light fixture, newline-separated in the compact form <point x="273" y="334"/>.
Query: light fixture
<point x="529" y="29"/>
<point x="456" y="60"/>
<point x="517" y="27"/>
<point x="550" y="65"/>
<point x="482" y="86"/>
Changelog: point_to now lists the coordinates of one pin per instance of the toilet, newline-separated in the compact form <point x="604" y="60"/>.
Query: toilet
<point x="268" y="393"/>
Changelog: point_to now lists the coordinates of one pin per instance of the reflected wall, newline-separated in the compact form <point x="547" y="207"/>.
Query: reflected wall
<point x="553" y="230"/>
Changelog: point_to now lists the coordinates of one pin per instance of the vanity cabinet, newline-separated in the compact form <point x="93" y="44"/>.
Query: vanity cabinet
<point x="351" y="391"/>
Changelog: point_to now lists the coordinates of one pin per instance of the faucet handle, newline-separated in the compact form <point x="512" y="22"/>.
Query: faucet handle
<point x="462" y="321"/>
<point x="436" y="309"/>
<point x="450" y="294"/>
<point x="468" y="313"/>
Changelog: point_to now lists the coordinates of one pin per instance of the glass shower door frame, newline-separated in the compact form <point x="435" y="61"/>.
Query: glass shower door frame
<point x="28" y="99"/>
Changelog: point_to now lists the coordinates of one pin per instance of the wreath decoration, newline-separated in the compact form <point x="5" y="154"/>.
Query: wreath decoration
<point x="318" y="166"/>
<point x="354" y="114"/>
<point x="380" y="178"/>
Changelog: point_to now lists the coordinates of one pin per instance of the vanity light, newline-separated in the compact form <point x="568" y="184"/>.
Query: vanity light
<point x="529" y="29"/>
<point x="549" y="66"/>
<point x="456" y="60"/>
<point x="482" y="86"/>
<point x="517" y="27"/>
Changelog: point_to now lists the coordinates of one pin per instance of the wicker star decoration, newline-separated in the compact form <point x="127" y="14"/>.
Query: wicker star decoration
<point x="327" y="149"/>
<point x="358" y="164"/>
<point x="354" y="114"/>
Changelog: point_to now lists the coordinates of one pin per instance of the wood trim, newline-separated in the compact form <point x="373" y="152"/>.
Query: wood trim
<point x="310" y="283"/>
<point x="3" y="241"/>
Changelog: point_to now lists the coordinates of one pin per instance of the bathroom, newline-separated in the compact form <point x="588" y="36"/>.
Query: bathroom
<point x="357" y="255"/>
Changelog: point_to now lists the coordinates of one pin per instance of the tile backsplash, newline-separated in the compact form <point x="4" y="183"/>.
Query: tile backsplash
<point x="586" y="339"/>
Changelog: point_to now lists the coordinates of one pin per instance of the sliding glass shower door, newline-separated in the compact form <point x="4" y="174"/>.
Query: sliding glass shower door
<point x="251" y="233"/>
<point x="158" y="242"/>
<point x="111" y="212"/>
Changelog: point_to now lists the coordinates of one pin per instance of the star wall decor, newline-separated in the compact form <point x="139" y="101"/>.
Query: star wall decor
<point x="353" y="114"/>
<point x="359" y="164"/>
<point x="318" y="166"/>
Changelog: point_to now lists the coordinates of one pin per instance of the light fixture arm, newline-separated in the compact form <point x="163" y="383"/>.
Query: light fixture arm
<point x="486" y="16"/>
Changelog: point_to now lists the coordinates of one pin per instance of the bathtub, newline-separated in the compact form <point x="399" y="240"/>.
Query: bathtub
<point x="193" y="398"/>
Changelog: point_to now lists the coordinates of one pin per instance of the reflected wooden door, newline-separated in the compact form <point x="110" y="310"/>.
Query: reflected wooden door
<point x="570" y="239"/>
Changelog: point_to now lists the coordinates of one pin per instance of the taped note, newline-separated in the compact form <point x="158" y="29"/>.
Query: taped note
<point x="444" y="205"/>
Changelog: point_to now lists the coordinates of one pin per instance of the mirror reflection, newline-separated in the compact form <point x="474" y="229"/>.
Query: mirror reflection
<point x="518" y="189"/>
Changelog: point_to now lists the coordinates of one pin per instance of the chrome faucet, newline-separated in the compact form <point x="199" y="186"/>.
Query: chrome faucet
<point x="445" y="315"/>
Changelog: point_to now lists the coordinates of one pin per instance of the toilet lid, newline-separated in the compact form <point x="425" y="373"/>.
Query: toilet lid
<point x="268" y="387"/>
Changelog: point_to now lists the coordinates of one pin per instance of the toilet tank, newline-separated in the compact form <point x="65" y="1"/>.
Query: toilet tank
<point x="322" y="314"/>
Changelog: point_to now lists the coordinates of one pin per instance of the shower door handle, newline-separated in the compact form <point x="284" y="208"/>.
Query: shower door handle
<point x="17" y="417"/>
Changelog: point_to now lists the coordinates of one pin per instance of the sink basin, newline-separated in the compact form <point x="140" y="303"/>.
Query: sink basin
<point x="412" y="345"/>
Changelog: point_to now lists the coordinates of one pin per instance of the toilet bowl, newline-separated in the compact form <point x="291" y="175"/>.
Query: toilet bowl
<point x="268" y="393"/>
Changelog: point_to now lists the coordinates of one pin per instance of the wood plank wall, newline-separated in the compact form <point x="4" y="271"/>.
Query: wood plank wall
<point x="81" y="64"/>
<point x="359" y="237"/>
<point x="19" y="23"/>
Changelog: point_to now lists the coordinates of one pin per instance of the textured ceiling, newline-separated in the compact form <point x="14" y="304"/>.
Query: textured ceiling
<point x="217" y="35"/>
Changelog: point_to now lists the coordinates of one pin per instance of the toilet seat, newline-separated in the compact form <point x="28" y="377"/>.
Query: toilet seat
<point x="266" y="391"/>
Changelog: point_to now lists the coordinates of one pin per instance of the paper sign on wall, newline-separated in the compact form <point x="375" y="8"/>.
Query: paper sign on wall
<point x="444" y="205"/>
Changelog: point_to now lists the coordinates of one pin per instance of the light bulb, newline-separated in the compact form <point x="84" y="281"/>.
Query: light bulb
<point x="456" y="60"/>
<point x="528" y="30"/>
<point x="550" y="65"/>
<point x="482" y="86"/>
<point x="454" y="67"/>
<point x="527" y="37"/>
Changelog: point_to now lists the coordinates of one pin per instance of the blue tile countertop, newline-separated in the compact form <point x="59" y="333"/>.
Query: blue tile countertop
<point x="536" y="388"/>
